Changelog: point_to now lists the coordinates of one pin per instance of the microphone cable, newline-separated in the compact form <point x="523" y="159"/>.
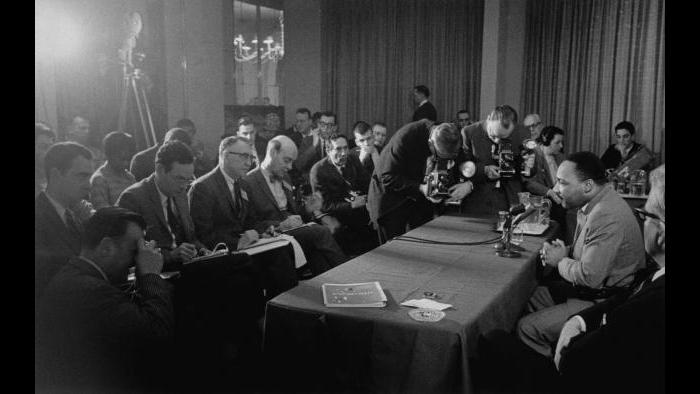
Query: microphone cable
<point x="408" y="238"/>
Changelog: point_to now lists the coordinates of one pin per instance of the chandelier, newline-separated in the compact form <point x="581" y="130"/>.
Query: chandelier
<point x="244" y="52"/>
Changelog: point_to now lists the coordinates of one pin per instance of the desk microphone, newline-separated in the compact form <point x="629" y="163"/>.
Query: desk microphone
<point x="522" y="217"/>
<point x="517" y="210"/>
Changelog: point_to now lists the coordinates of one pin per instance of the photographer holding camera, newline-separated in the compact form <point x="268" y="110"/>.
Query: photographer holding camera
<point x="398" y="195"/>
<point x="495" y="150"/>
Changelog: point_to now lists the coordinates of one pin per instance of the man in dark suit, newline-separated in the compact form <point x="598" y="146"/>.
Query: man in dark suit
<point x="313" y="146"/>
<point x="220" y="205"/>
<point x="426" y="109"/>
<point x="366" y="151"/>
<point x="494" y="188"/>
<point x="302" y="126"/>
<point x="92" y="335"/>
<point x="397" y="192"/>
<point x="161" y="199"/>
<point x="143" y="163"/>
<point x="57" y="211"/>
<point x="343" y="182"/>
<point x="273" y="203"/>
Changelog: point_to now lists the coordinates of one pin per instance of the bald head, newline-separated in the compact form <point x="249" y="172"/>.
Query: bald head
<point x="281" y="153"/>
<point x="533" y="123"/>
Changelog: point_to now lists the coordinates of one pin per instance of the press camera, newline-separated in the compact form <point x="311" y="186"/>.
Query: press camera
<point x="503" y="154"/>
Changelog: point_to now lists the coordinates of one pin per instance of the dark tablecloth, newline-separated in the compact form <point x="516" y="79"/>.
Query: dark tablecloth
<point x="311" y="347"/>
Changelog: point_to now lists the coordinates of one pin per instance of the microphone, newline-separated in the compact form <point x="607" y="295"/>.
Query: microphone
<point x="520" y="218"/>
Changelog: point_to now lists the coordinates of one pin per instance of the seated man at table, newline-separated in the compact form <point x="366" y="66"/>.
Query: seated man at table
<point x="220" y="205"/>
<point x="614" y="346"/>
<point x="272" y="200"/>
<point x="343" y="182"/>
<point x="162" y="201"/>
<point x="606" y="252"/>
<point x="625" y="148"/>
<point x="91" y="334"/>
<point x="397" y="192"/>
<point x="495" y="147"/>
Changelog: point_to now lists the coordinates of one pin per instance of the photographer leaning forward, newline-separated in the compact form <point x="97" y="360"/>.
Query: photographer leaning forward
<point x="495" y="150"/>
<point x="397" y="193"/>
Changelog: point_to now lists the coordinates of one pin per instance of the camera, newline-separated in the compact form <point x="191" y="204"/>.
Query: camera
<point x="503" y="154"/>
<point x="440" y="179"/>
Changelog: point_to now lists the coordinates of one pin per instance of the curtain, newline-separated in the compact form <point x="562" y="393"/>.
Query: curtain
<point x="593" y="63"/>
<point x="374" y="52"/>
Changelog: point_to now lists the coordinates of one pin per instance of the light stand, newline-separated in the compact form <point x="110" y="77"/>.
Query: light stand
<point x="132" y="86"/>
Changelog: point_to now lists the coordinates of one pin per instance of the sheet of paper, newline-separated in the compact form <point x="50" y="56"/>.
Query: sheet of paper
<point x="425" y="303"/>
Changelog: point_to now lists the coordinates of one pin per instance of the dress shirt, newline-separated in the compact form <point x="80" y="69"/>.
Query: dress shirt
<point x="276" y="189"/>
<point x="423" y="102"/>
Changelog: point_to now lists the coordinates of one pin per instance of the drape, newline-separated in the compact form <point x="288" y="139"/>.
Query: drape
<point x="374" y="52"/>
<point x="590" y="64"/>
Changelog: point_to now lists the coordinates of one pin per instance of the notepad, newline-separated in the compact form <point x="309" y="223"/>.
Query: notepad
<point x="353" y="295"/>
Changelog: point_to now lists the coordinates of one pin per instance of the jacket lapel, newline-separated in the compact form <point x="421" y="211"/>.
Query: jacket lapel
<point x="55" y="222"/>
<point x="183" y="210"/>
<point x="262" y="185"/>
<point x="154" y="196"/>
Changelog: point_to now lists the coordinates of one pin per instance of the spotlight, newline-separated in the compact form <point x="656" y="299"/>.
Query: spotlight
<point x="56" y="34"/>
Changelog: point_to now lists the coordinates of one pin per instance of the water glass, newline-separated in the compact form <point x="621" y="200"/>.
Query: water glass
<point x="501" y="219"/>
<point x="517" y="237"/>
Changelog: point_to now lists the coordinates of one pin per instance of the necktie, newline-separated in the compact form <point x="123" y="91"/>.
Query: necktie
<point x="174" y="223"/>
<point x="72" y="224"/>
<point x="237" y="202"/>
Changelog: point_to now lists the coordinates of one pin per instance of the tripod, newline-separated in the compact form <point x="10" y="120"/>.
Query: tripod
<point x="133" y="89"/>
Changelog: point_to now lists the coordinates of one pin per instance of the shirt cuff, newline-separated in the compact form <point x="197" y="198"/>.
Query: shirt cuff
<point x="581" y="321"/>
<point x="562" y="267"/>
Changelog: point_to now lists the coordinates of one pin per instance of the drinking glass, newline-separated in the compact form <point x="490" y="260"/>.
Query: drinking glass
<point x="517" y="237"/>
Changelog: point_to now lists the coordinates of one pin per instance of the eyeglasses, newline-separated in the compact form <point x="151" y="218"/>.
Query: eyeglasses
<point x="643" y="214"/>
<point x="534" y="125"/>
<point x="244" y="156"/>
<point x="326" y="124"/>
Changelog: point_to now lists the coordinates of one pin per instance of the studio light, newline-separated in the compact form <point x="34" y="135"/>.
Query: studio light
<point x="56" y="34"/>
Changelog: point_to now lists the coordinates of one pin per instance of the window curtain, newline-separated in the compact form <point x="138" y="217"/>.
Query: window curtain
<point x="591" y="64"/>
<point x="374" y="52"/>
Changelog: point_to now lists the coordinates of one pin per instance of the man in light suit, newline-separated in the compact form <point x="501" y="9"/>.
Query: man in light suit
<point x="57" y="211"/>
<point x="161" y="199"/>
<point x="273" y="202"/>
<point x="220" y="205"/>
<point x="606" y="252"/>
<point x="343" y="182"/>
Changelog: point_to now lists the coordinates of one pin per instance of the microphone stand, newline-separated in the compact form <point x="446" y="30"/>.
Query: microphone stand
<point x="504" y="247"/>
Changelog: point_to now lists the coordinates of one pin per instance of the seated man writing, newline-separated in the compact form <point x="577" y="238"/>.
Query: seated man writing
<point x="273" y="202"/>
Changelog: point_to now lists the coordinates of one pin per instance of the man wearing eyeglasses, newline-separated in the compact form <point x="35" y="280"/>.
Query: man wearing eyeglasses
<point x="606" y="251"/>
<point x="312" y="147"/>
<point x="495" y="149"/>
<point x="161" y="199"/>
<point x="221" y="211"/>
<point x="533" y="124"/>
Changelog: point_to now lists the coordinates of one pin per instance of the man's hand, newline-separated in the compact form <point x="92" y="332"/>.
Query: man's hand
<point x="492" y="172"/>
<point x="247" y="238"/>
<point x="185" y="252"/>
<point x="554" y="196"/>
<point x="314" y="202"/>
<point x="460" y="190"/>
<point x="552" y="253"/>
<point x="571" y="329"/>
<point x="366" y="152"/>
<point x="148" y="258"/>
<point x="424" y="189"/>
<point x="332" y="223"/>
<point x="291" y="222"/>
<point x="358" y="202"/>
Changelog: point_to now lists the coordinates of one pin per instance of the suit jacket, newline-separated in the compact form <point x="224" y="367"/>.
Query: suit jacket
<point x="612" y="158"/>
<point x="628" y="353"/>
<point x="401" y="169"/>
<point x="216" y="218"/>
<point x="609" y="247"/>
<point x="54" y="245"/>
<point x="144" y="199"/>
<point x="367" y="163"/>
<point x="486" y="197"/>
<point x="143" y="163"/>
<point x="425" y="111"/>
<point x="334" y="187"/>
<point x="263" y="203"/>
<point x="90" y="332"/>
<point x="540" y="180"/>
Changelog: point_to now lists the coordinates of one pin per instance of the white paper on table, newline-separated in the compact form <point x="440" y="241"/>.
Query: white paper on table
<point x="426" y="304"/>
